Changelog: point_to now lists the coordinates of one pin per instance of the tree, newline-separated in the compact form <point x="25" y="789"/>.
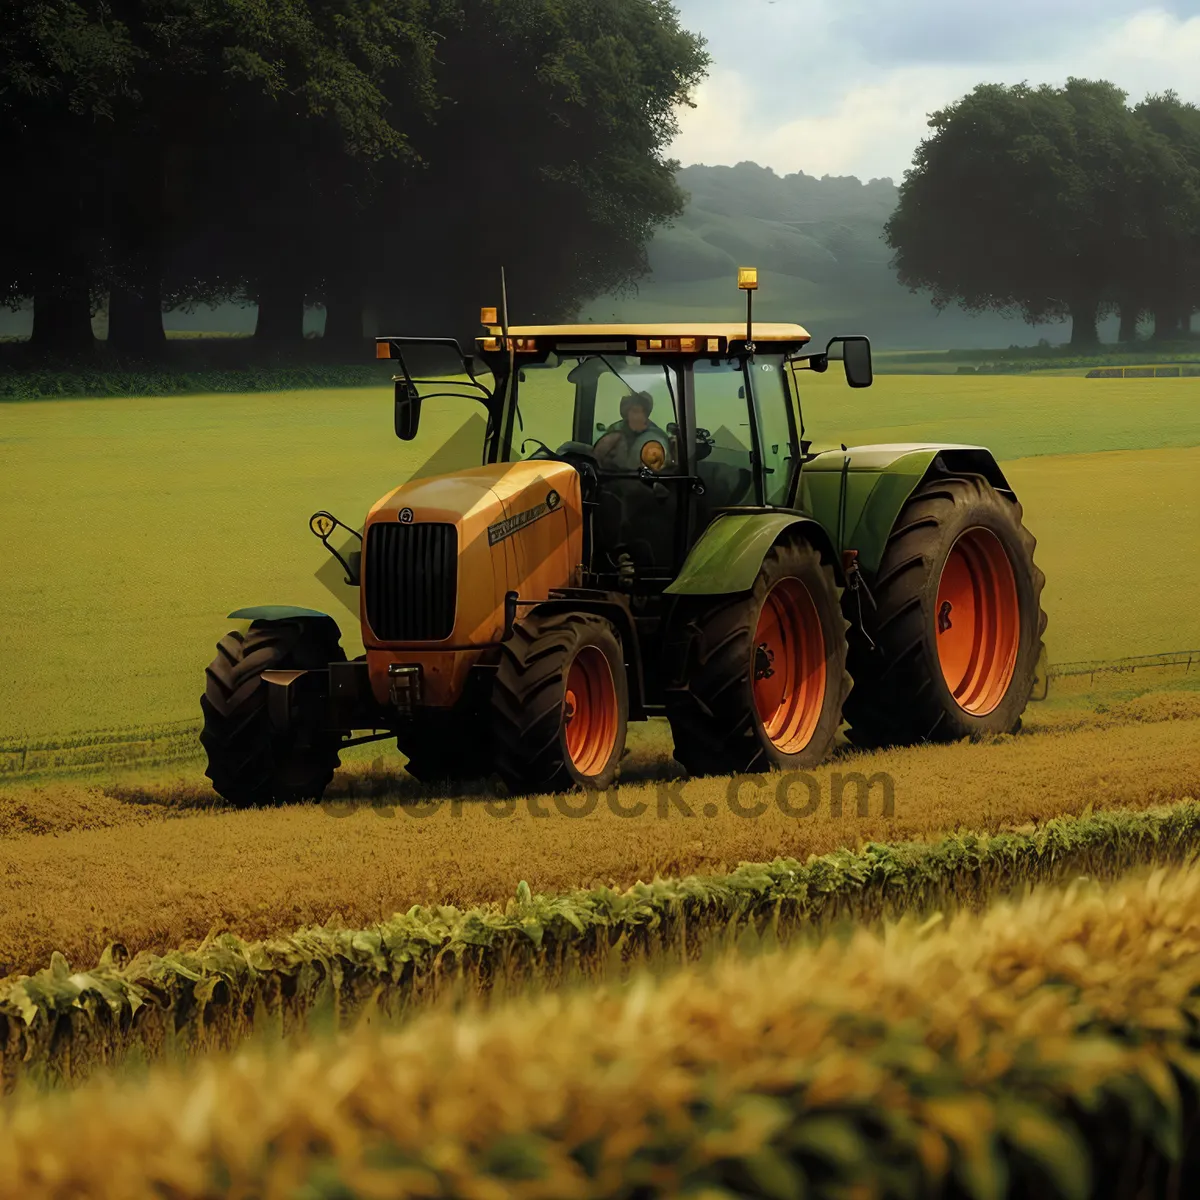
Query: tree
<point x="547" y="156"/>
<point x="1168" y="278"/>
<point x="1016" y="201"/>
<point x="318" y="150"/>
<point x="264" y="124"/>
<point x="69" y="75"/>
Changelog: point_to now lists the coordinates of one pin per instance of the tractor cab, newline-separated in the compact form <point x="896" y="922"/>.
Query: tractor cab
<point x="668" y="426"/>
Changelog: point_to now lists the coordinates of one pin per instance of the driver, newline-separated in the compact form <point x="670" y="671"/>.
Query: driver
<point x="617" y="448"/>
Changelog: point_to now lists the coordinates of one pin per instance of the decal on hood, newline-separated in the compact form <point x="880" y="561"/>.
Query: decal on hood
<point x="518" y="521"/>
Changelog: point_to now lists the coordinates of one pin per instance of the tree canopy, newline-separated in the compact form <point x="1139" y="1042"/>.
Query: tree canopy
<point x="1055" y="202"/>
<point x="372" y="155"/>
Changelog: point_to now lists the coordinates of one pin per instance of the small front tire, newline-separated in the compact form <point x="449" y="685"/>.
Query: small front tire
<point x="250" y="762"/>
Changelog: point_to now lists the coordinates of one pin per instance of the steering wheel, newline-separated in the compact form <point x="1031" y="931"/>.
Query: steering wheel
<point x="542" y="451"/>
<point x="579" y="455"/>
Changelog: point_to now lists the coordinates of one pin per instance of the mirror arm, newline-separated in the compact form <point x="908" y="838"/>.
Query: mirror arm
<point x="818" y="360"/>
<point x="352" y="575"/>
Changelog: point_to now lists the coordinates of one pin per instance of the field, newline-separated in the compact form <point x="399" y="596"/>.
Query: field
<point x="139" y="523"/>
<point x="718" y="1080"/>
<point x="648" y="954"/>
<point x="153" y="883"/>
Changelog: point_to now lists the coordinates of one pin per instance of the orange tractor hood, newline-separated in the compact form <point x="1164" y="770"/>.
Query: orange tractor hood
<point x="516" y="527"/>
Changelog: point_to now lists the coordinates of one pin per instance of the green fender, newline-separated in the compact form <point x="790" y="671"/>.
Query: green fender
<point x="730" y="552"/>
<point x="275" y="612"/>
<point x="878" y="482"/>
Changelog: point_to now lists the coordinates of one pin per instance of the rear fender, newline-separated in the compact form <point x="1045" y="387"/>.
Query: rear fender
<point x="730" y="552"/>
<point x="859" y="501"/>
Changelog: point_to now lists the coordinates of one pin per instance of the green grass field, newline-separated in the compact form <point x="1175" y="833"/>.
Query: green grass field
<point x="1015" y="416"/>
<point x="134" y="525"/>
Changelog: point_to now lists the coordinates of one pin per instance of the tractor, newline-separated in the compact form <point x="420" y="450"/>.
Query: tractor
<point x="648" y="534"/>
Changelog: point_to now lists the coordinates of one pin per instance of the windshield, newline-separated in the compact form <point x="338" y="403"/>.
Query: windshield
<point x="605" y="405"/>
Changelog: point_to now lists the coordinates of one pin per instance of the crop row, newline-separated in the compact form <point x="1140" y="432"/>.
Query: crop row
<point x="1049" y="1048"/>
<point x="164" y="884"/>
<point x="58" y="1024"/>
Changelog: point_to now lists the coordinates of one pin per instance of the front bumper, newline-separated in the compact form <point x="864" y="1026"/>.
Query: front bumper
<point x="336" y="697"/>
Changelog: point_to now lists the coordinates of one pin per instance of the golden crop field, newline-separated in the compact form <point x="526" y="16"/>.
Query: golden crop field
<point x="89" y="866"/>
<point x="931" y="1057"/>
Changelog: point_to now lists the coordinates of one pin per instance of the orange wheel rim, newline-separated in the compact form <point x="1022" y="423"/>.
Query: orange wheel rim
<point x="789" y="666"/>
<point x="590" y="712"/>
<point x="977" y="621"/>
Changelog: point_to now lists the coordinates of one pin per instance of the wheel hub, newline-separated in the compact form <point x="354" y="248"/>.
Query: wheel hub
<point x="590" y="712"/>
<point x="764" y="656"/>
<point x="788" y="666"/>
<point x="978" y="621"/>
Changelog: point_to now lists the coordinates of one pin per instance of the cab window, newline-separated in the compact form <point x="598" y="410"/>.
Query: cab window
<point x="772" y="409"/>
<point x="723" y="434"/>
<point x="626" y="386"/>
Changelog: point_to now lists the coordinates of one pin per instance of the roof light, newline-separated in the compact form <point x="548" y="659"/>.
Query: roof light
<point x="488" y="316"/>
<point x="714" y="345"/>
<point x="383" y="350"/>
<point x="491" y="343"/>
<point x="748" y="279"/>
<point x="687" y="345"/>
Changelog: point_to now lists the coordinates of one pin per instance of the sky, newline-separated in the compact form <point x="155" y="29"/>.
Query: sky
<point x="844" y="87"/>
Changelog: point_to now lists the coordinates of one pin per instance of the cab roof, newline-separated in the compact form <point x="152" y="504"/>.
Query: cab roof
<point x="731" y="331"/>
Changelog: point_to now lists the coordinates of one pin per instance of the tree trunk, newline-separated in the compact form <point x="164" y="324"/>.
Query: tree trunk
<point x="135" y="324"/>
<point x="1083" y="322"/>
<point x="1131" y="310"/>
<point x="62" y="318"/>
<point x="280" y="313"/>
<point x="344" y="319"/>
<point x="1166" y="323"/>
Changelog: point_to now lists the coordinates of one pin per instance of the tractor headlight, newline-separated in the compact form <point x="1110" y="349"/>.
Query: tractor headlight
<point x="654" y="455"/>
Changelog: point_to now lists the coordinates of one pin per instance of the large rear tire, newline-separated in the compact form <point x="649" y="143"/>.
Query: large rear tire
<point x="761" y="675"/>
<point x="958" y="623"/>
<point x="560" y="703"/>
<point x="250" y="762"/>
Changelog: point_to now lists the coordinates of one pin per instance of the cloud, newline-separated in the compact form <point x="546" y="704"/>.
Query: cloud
<point x="852" y="116"/>
<point x="870" y="131"/>
<point x="950" y="31"/>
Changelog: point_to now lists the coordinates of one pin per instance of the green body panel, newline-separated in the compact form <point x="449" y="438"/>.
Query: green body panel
<point x="878" y="483"/>
<point x="730" y="552"/>
<point x="275" y="612"/>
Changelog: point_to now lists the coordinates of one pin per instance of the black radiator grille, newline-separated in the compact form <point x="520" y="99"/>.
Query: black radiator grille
<point x="411" y="577"/>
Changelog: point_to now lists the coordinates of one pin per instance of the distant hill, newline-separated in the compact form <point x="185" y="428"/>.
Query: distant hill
<point x="818" y="244"/>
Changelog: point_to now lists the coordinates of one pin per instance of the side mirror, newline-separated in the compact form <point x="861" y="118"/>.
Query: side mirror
<point x="856" y="358"/>
<point x="408" y="410"/>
